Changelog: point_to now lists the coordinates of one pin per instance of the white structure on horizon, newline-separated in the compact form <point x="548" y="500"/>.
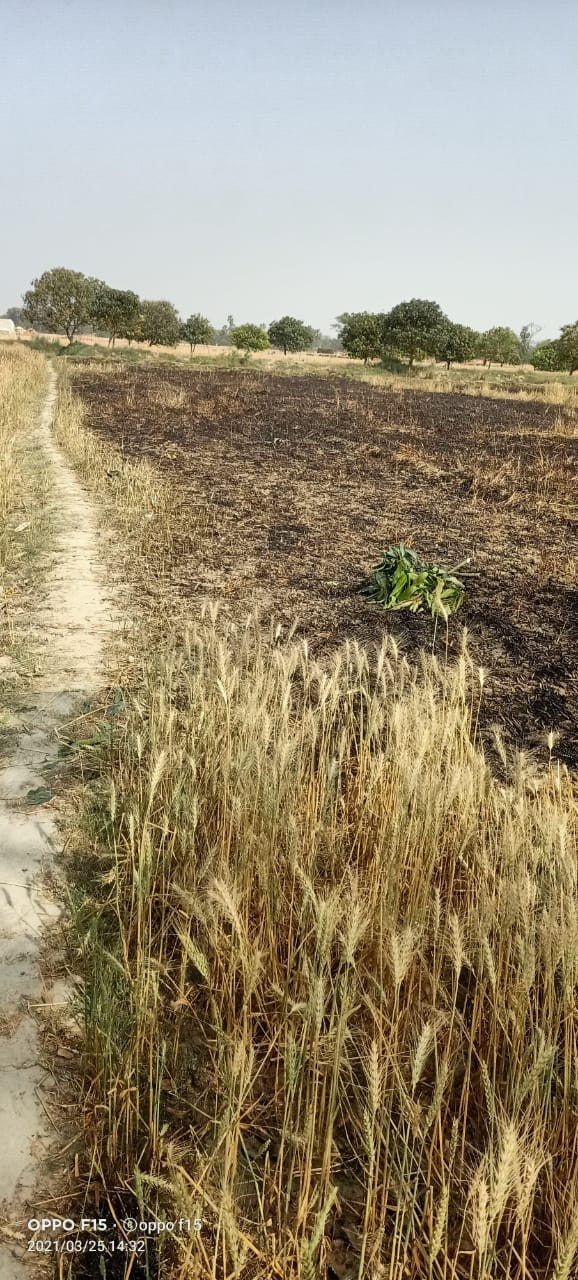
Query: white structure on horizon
<point x="7" y="326"/>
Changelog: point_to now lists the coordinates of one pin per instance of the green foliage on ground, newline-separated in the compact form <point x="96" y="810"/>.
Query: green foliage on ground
<point x="92" y="352"/>
<point x="402" y="581"/>
<point x="87" y="351"/>
<point x="46" y="345"/>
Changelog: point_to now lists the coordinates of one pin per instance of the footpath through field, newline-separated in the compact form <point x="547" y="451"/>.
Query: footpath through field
<point x="70" y="624"/>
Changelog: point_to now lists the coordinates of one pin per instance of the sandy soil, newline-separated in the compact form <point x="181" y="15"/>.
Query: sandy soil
<point x="71" y="624"/>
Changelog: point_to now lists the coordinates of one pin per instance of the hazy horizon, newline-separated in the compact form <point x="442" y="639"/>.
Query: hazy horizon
<point x="309" y="160"/>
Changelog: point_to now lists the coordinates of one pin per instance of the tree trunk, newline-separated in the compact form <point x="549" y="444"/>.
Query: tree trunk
<point x="448" y="362"/>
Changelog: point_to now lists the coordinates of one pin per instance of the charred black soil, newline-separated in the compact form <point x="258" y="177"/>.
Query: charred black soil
<point x="305" y="481"/>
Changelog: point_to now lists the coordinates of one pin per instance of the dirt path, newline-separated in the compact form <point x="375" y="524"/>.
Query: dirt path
<point x="70" y="625"/>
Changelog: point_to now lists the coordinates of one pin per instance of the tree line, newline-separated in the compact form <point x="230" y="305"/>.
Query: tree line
<point x="419" y="329"/>
<point x="64" y="301"/>
<point x="69" y="302"/>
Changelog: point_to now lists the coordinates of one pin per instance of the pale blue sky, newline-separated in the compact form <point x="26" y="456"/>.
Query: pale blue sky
<point x="260" y="158"/>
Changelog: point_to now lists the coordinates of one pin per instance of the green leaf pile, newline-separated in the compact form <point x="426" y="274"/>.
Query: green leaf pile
<point x="402" y="581"/>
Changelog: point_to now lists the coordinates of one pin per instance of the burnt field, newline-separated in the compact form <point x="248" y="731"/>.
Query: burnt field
<point x="304" y="481"/>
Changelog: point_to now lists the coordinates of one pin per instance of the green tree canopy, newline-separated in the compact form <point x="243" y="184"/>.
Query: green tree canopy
<point x="501" y="346"/>
<point x="291" y="335"/>
<point x="546" y="356"/>
<point x="361" y="334"/>
<point x="568" y="346"/>
<point x="456" y="342"/>
<point x="159" y="324"/>
<point x="250" y="337"/>
<point x="61" y="301"/>
<point x="196" y="329"/>
<point x="134" y="330"/>
<point x="115" y="311"/>
<point x="414" y="329"/>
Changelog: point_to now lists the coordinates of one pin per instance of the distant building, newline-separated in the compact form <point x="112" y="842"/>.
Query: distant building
<point x="7" y="326"/>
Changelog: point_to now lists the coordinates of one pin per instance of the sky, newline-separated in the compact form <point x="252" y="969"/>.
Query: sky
<point x="258" y="159"/>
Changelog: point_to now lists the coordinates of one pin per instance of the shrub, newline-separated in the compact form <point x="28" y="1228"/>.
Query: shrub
<point x="402" y="581"/>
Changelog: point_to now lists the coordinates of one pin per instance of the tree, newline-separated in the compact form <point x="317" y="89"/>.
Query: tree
<point x="568" y="346"/>
<point x="291" y="335"/>
<point x="160" y="324"/>
<point x="250" y="337"/>
<point x="134" y="332"/>
<point x="501" y="346"/>
<point x="60" y="301"/>
<point x="196" y="329"/>
<point x="361" y="334"/>
<point x="457" y="342"/>
<point x="17" y="316"/>
<point x="414" y="329"/>
<point x="526" y="341"/>
<point x="116" y="312"/>
<point x="547" y="356"/>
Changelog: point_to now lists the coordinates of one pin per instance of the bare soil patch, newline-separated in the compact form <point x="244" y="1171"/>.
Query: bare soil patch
<point x="305" y="481"/>
<point x="68" y="624"/>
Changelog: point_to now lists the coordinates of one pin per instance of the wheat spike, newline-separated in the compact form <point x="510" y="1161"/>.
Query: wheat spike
<point x="505" y="1175"/>
<point x="422" y="1051"/>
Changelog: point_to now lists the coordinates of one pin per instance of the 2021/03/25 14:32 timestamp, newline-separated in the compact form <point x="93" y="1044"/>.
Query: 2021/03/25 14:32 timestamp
<point x="88" y="1244"/>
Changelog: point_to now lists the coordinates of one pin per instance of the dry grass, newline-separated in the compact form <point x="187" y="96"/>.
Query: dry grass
<point x="23" y="485"/>
<point x="153" y="529"/>
<point x="330" y="962"/>
<point x="515" y="480"/>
